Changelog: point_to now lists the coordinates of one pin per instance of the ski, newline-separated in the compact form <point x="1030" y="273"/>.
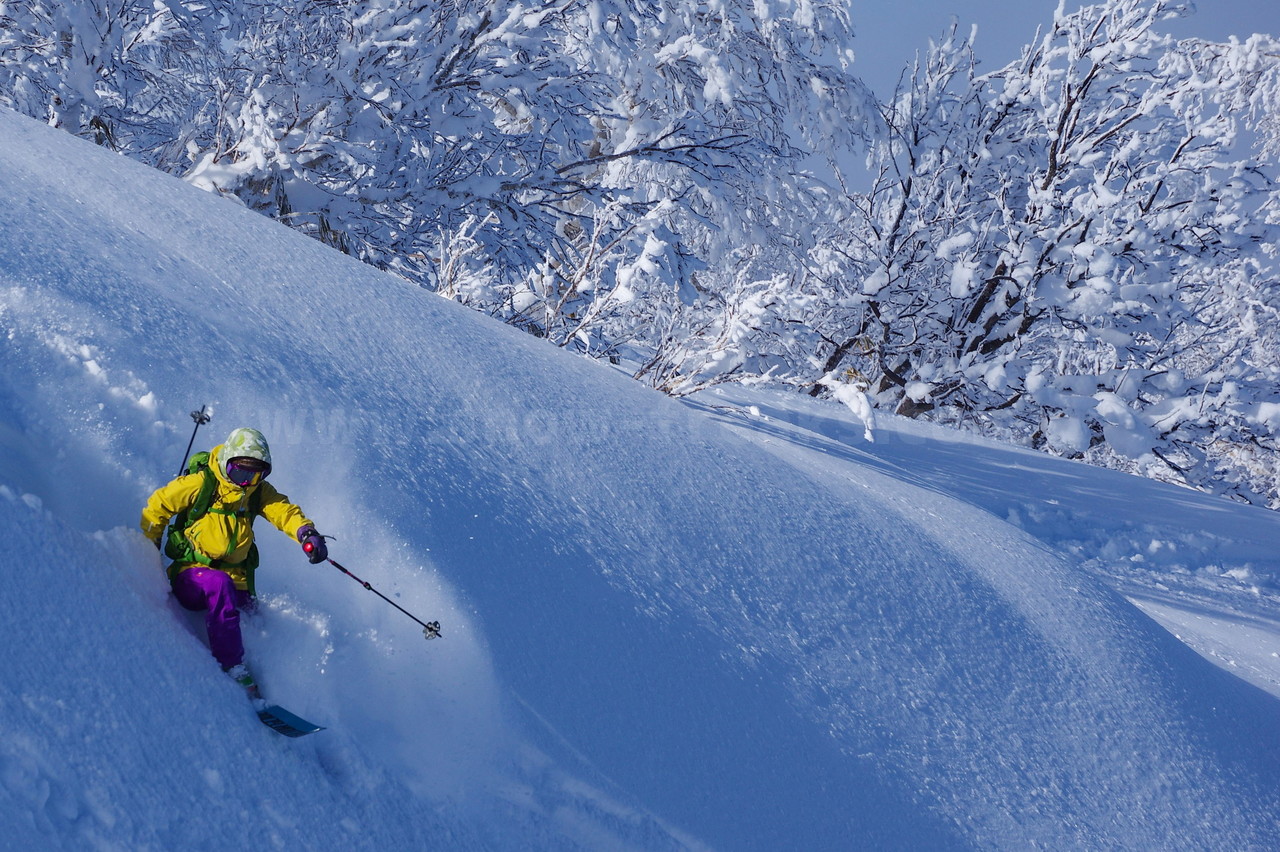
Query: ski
<point x="283" y="722"/>
<point x="273" y="716"/>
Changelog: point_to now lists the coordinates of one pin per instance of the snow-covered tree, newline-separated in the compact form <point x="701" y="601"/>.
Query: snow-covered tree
<point x="1067" y="248"/>
<point x="566" y="166"/>
<point x="1076" y="250"/>
<point x="130" y="75"/>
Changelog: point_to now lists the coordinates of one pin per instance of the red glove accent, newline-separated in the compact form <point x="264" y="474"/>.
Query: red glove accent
<point x="313" y="545"/>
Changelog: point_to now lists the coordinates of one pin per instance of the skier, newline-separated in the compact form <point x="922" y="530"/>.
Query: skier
<point x="211" y="540"/>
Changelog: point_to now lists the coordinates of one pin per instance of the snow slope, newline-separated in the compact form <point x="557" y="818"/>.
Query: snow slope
<point x="666" y="626"/>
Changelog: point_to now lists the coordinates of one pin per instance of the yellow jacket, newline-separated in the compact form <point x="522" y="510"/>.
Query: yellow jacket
<point x="225" y="533"/>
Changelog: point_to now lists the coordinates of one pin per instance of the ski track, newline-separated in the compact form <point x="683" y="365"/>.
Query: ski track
<point x="665" y="625"/>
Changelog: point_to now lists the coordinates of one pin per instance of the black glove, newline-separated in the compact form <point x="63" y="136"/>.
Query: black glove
<point x="313" y="545"/>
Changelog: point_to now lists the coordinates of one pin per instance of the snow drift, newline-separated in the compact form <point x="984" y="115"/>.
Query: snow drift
<point x="658" y="633"/>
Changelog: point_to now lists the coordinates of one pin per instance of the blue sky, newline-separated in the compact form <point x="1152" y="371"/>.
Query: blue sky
<point x="889" y="34"/>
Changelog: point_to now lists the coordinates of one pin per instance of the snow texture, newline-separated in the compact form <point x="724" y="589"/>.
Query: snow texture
<point x="721" y="623"/>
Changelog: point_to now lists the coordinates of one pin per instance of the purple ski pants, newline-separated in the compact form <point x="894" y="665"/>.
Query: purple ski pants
<point x="213" y="591"/>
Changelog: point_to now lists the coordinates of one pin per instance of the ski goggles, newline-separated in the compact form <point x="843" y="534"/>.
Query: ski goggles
<point x="246" y="472"/>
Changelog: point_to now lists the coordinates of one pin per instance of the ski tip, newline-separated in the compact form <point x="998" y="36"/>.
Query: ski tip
<point x="283" y="722"/>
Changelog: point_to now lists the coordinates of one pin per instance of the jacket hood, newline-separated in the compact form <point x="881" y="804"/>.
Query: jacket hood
<point x="218" y="467"/>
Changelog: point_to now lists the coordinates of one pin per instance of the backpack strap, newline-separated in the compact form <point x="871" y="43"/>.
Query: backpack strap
<point x="204" y="499"/>
<point x="176" y="546"/>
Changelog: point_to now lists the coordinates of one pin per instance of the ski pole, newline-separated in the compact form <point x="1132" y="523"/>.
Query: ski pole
<point x="201" y="418"/>
<point x="430" y="629"/>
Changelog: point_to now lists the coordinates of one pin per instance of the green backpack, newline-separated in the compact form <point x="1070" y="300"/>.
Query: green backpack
<point x="177" y="547"/>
